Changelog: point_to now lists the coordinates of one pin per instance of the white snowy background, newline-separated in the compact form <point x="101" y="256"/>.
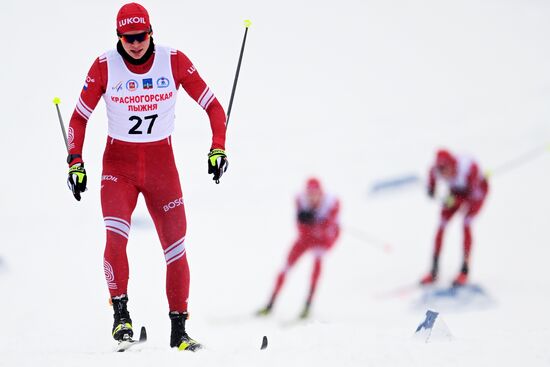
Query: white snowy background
<point x="349" y="91"/>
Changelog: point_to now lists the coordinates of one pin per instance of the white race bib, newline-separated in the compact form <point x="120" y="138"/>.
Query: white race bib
<point x="140" y="107"/>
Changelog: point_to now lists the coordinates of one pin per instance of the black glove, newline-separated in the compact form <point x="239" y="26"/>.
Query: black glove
<point x="217" y="163"/>
<point x="306" y="216"/>
<point x="77" y="179"/>
<point x="461" y="193"/>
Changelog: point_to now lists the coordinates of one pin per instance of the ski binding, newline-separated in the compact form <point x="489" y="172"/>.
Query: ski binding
<point x="128" y="342"/>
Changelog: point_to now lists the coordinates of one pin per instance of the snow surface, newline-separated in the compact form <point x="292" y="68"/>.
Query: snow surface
<point x="351" y="91"/>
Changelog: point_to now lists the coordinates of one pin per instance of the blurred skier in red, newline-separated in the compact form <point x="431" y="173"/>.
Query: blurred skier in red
<point x="318" y="229"/>
<point x="468" y="188"/>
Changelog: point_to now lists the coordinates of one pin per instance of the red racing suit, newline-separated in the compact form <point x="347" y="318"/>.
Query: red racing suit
<point x="131" y="167"/>
<point x="467" y="192"/>
<point x="318" y="230"/>
<point x="467" y="189"/>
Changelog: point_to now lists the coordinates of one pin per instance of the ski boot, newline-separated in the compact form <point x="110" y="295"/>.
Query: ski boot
<point x="122" y="326"/>
<point x="305" y="312"/>
<point x="178" y="337"/>
<point x="429" y="278"/>
<point x="460" y="280"/>
<point x="265" y="310"/>
<point x="462" y="277"/>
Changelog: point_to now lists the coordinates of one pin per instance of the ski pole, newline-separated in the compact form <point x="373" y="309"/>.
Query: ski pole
<point x="518" y="161"/>
<point x="56" y="102"/>
<point x="247" y="24"/>
<point x="368" y="238"/>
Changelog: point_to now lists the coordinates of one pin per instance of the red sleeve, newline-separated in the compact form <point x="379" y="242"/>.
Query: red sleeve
<point x="473" y="178"/>
<point x="94" y="88"/>
<point x="431" y="180"/>
<point x="332" y="226"/>
<point x="186" y="75"/>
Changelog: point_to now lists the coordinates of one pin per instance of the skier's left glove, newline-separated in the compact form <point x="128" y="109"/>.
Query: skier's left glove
<point x="77" y="179"/>
<point x="217" y="163"/>
<point x="450" y="201"/>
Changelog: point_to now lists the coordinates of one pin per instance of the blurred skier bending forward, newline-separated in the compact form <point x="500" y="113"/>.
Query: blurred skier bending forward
<point x="468" y="188"/>
<point x="318" y="230"/>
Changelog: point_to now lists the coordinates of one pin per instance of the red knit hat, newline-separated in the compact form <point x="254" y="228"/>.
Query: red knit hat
<point x="313" y="184"/>
<point x="132" y="17"/>
<point x="444" y="159"/>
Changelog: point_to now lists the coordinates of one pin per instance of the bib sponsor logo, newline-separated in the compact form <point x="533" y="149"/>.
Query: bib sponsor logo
<point x="88" y="80"/>
<point x="145" y="98"/>
<point x="109" y="178"/>
<point x="163" y="82"/>
<point x="143" y="103"/>
<point x="173" y="204"/>
<point x="132" y="85"/>
<point x="70" y="138"/>
<point x="133" y="20"/>
<point x="117" y="87"/>
<point x="148" y="83"/>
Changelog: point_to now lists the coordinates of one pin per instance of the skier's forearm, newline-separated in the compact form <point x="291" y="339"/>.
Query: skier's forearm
<point x="216" y="115"/>
<point x="76" y="134"/>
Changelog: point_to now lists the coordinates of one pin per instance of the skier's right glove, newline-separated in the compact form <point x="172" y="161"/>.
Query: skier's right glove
<point x="77" y="179"/>
<point x="217" y="163"/>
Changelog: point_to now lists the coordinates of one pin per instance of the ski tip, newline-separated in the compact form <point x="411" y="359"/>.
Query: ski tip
<point x="56" y="101"/>
<point x="264" y="343"/>
<point x="247" y="23"/>
<point x="143" y="334"/>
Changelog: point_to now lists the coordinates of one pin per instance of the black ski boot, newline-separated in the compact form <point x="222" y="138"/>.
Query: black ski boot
<point x="265" y="310"/>
<point x="122" y="327"/>
<point x="178" y="337"/>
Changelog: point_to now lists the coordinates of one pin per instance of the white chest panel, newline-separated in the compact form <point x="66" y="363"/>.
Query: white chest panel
<point x="140" y="107"/>
<point x="323" y="211"/>
<point x="460" y="181"/>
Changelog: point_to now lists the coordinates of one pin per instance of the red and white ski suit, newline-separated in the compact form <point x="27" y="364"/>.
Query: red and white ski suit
<point x="138" y="157"/>
<point x="318" y="234"/>
<point x="467" y="191"/>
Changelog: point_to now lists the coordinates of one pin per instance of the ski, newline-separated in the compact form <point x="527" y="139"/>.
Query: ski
<point x="126" y="344"/>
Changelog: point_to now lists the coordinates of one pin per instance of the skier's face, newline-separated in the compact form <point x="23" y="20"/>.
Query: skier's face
<point x="314" y="197"/>
<point x="446" y="171"/>
<point x="136" y="43"/>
